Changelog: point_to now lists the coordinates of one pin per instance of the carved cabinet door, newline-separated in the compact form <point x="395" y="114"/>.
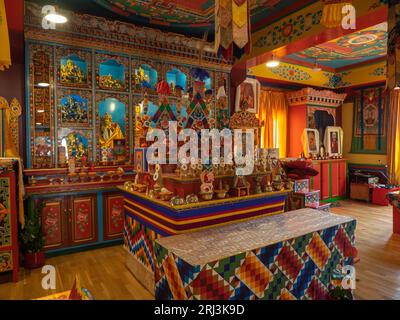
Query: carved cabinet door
<point x="54" y="222"/>
<point x="82" y="215"/>
<point x="113" y="217"/>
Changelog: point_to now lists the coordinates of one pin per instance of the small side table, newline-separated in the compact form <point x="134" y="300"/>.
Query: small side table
<point x="394" y="200"/>
<point x="379" y="195"/>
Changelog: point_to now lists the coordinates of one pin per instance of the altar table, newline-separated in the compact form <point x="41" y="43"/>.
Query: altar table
<point x="289" y="256"/>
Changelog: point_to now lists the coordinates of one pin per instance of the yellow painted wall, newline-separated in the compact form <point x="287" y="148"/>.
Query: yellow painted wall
<point x="371" y="73"/>
<point x="347" y="125"/>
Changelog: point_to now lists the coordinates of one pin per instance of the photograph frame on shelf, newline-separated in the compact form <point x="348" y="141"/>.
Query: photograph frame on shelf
<point x="334" y="141"/>
<point x="243" y="96"/>
<point x="311" y="141"/>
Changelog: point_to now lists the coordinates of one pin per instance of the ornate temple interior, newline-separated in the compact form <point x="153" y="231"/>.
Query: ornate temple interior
<point x="199" y="150"/>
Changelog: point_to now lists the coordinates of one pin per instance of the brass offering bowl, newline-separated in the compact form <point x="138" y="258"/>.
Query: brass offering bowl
<point x="220" y="194"/>
<point x="206" y="195"/>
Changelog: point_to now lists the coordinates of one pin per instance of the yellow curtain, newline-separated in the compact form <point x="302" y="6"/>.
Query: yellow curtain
<point x="5" y="57"/>
<point x="394" y="136"/>
<point x="273" y="113"/>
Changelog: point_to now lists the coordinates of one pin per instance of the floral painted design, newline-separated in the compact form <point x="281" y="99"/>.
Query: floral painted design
<point x="291" y="73"/>
<point x="378" y="72"/>
<point x="336" y="80"/>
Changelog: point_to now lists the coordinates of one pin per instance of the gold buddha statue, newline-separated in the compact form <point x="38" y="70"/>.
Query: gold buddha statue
<point x="109" y="132"/>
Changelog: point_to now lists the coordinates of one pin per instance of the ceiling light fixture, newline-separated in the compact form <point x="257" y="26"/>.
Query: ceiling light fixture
<point x="273" y="63"/>
<point x="43" y="84"/>
<point x="54" y="16"/>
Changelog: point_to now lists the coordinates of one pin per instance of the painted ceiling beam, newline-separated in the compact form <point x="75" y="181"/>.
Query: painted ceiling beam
<point x="302" y="30"/>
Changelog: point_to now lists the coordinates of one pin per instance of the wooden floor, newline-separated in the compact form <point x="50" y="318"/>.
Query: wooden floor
<point x="103" y="271"/>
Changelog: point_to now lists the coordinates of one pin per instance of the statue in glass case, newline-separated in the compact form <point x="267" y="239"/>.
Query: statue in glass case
<point x="110" y="131"/>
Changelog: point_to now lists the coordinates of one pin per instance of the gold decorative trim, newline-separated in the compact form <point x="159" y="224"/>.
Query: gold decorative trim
<point x="15" y="113"/>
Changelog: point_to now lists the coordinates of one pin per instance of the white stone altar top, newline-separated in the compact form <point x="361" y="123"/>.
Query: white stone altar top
<point x="201" y="247"/>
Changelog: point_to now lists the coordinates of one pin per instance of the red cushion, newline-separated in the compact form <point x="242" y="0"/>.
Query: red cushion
<point x="298" y="164"/>
<point x="305" y="172"/>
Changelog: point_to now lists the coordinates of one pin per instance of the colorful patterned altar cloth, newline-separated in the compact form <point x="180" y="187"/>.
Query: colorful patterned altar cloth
<point x="288" y="256"/>
<point x="149" y="219"/>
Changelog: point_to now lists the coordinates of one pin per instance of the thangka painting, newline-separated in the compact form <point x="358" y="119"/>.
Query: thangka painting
<point x="74" y="108"/>
<point x="111" y="72"/>
<point x="74" y="143"/>
<point x="370" y="121"/>
<point x="112" y="127"/>
<point x="73" y="67"/>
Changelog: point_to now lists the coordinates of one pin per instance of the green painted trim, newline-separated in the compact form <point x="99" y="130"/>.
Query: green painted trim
<point x="63" y="251"/>
<point x="383" y="152"/>
<point x="333" y="200"/>
<point x="366" y="164"/>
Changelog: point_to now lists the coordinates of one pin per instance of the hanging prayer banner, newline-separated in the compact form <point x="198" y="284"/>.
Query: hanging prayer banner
<point x="5" y="58"/>
<point x="370" y="121"/>
<point x="232" y="28"/>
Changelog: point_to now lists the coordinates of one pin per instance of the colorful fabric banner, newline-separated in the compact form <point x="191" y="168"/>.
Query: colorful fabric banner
<point x="370" y="121"/>
<point x="5" y="57"/>
<point x="232" y="28"/>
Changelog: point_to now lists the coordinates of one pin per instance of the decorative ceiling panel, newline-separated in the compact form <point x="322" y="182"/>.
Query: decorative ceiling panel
<point x="361" y="46"/>
<point x="195" y="12"/>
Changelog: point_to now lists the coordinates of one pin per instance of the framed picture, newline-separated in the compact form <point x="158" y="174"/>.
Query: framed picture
<point x="248" y="95"/>
<point x="311" y="141"/>
<point x="334" y="141"/>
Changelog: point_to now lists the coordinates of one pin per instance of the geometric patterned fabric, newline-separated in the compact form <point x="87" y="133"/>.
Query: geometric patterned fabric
<point x="297" y="269"/>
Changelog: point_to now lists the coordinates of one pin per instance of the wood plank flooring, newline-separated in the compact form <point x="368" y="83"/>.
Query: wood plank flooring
<point x="104" y="273"/>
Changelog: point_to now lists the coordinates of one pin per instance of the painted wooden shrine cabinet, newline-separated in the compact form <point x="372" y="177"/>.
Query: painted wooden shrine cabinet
<point x="315" y="109"/>
<point x="312" y="109"/>
<point x="9" y="252"/>
<point x="91" y="97"/>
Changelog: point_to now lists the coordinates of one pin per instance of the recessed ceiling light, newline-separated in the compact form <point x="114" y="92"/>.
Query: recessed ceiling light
<point x="56" y="18"/>
<point x="40" y="111"/>
<point x="43" y="84"/>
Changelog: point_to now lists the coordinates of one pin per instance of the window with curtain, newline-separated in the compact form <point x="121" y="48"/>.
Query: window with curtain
<point x="273" y="112"/>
